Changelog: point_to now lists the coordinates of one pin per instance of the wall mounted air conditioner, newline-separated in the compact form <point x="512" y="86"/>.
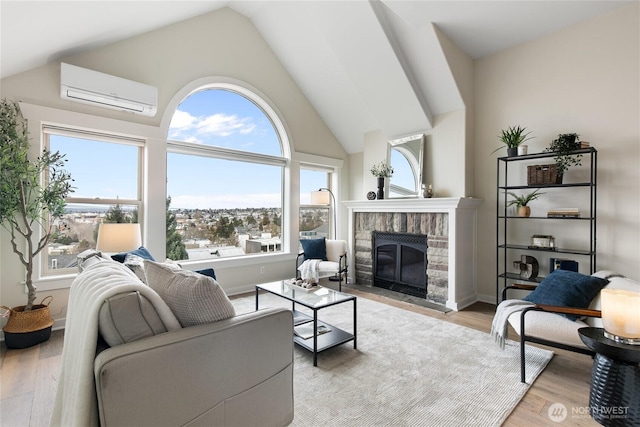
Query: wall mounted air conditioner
<point x="103" y="90"/>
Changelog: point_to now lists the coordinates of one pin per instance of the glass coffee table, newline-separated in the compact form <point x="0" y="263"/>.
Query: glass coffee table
<point x="309" y="332"/>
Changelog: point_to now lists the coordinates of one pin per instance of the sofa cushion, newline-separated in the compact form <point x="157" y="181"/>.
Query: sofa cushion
<point x="549" y="326"/>
<point x="567" y="289"/>
<point x="141" y="252"/>
<point x="194" y="298"/>
<point x="314" y="249"/>
<point x="128" y="317"/>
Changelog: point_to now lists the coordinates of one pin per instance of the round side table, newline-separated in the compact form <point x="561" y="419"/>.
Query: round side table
<point x="614" y="399"/>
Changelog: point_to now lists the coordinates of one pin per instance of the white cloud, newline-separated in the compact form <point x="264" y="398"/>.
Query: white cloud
<point x="187" y="127"/>
<point x="181" y="120"/>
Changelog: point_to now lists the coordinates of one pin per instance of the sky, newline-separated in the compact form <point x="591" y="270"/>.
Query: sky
<point x="211" y="118"/>
<point x="219" y="118"/>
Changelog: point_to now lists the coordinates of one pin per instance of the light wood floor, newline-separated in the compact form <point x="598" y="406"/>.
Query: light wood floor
<point x="28" y="376"/>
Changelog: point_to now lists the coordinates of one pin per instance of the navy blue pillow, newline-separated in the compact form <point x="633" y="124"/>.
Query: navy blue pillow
<point x="567" y="289"/>
<point x="314" y="249"/>
<point x="208" y="272"/>
<point x="142" y="252"/>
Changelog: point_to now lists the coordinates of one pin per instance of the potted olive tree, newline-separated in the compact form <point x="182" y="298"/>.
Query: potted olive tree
<point x="32" y="196"/>
<point x="522" y="201"/>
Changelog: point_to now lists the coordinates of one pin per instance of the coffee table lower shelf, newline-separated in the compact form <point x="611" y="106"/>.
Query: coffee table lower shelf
<point x="325" y="341"/>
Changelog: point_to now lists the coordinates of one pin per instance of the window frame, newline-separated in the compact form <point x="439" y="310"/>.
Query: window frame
<point x="223" y="153"/>
<point x="47" y="131"/>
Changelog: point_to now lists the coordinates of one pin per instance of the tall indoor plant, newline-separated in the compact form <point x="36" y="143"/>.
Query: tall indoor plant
<point x="32" y="195"/>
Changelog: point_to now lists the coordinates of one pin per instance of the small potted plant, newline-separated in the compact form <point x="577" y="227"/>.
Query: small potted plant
<point x="564" y="146"/>
<point x="522" y="201"/>
<point x="512" y="137"/>
<point x="28" y="206"/>
<point x="381" y="171"/>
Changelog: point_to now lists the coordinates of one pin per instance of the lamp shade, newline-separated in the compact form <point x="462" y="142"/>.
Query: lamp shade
<point x="320" y="197"/>
<point x="621" y="313"/>
<point x="118" y="237"/>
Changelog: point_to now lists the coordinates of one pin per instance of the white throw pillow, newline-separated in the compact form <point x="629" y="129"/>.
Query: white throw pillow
<point x="194" y="298"/>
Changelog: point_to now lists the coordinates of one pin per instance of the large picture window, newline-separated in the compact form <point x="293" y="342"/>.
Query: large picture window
<point x="225" y="176"/>
<point x="107" y="185"/>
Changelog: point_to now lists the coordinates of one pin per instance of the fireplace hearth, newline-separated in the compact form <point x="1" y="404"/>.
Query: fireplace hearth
<point x="400" y="262"/>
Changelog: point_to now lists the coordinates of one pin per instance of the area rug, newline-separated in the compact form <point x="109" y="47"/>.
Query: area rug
<point x="408" y="370"/>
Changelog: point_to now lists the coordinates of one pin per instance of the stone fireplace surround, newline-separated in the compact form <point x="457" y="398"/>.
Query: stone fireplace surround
<point x="450" y="226"/>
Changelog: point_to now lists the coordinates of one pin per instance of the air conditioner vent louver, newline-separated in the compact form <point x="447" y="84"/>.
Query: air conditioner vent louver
<point x="104" y="90"/>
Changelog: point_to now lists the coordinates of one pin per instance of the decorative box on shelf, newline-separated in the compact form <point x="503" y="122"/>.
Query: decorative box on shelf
<point x="543" y="175"/>
<point x="540" y="241"/>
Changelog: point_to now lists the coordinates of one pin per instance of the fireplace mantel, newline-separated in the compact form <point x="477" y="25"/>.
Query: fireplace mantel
<point x="462" y="230"/>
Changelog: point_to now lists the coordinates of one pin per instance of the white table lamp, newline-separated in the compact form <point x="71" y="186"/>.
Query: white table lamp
<point x="114" y="238"/>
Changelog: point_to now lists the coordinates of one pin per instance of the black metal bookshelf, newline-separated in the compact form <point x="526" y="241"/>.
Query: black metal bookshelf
<point x="504" y="221"/>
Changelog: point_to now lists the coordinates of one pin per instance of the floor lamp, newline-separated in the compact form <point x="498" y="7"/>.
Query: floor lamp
<point x="324" y="196"/>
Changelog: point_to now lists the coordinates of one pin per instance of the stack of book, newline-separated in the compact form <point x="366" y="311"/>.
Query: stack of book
<point x="563" y="213"/>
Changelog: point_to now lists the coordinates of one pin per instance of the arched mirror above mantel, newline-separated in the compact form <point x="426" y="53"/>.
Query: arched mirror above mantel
<point x="406" y="157"/>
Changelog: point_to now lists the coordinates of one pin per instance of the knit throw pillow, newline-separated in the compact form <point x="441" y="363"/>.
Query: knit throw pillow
<point x="192" y="297"/>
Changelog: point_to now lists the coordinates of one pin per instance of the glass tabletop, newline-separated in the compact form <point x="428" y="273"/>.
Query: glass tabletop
<point x="316" y="297"/>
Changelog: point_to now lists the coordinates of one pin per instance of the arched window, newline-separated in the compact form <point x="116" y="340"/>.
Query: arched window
<point x="226" y="159"/>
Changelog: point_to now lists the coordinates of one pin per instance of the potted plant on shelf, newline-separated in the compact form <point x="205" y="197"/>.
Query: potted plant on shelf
<point x="564" y="147"/>
<point x="512" y="137"/>
<point x="522" y="202"/>
<point x="382" y="170"/>
<point x="29" y="204"/>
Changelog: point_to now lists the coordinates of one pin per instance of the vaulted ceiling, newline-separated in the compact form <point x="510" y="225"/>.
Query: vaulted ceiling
<point x="364" y="65"/>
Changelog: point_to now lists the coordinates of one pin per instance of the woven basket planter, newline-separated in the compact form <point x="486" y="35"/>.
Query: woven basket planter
<point x="543" y="175"/>
<point x="28" y="328"/>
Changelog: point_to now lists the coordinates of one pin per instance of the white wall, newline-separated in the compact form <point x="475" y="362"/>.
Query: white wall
<point x="223" y="43"/>
<point x="585" y="80"/>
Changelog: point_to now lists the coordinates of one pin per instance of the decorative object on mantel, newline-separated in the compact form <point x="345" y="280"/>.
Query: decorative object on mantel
<point x="528" y="267"/>
<point x="512" y="137"/>
<point x="429" y="192"/>
<point x="522" y="201"/>
<point x="371" y="195"/>
<point x="28" y="207"/>
<point x="564" y="146"/>
<point x="382" y="170"/>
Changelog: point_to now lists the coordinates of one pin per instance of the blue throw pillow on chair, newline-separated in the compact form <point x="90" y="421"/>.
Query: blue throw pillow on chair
<point x="567" y="289"/>
<point x="314" y="249"/>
